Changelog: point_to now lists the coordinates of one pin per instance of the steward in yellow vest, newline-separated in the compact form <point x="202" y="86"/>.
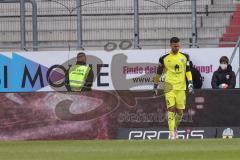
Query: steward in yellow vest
<point x="80" y="75"/>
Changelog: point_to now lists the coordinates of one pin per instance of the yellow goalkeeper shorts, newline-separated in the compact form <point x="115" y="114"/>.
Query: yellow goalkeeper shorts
<point x="176" y="98"/>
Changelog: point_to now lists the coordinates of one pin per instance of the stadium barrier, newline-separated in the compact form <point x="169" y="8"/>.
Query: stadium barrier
<point x="115" y="115"/>
<point x="115" y="70"/>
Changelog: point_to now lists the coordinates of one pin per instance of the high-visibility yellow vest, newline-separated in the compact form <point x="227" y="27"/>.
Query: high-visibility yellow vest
<point x="77" y="76"/>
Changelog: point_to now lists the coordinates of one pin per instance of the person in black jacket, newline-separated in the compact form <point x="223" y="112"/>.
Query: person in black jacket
<point x="224" y="77"/>
<point x="196" y="75"/>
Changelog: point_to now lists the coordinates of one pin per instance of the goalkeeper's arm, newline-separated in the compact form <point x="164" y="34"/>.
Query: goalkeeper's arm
<point x="157" y="76"/>
<point x="189" y="78"/>
<point x="188" y="70"/>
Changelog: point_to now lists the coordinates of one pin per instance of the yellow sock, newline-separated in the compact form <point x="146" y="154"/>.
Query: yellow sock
<point x="171" y="121"/>
<point x="178" y="119"/>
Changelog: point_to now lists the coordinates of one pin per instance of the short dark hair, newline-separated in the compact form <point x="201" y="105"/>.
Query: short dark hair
<point x="224" y="59"/>
<point x="174" y="40"/>
<point x="81" y="53"/>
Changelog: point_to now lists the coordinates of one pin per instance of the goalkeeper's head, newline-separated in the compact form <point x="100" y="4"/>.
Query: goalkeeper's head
<point x="175" y="44"/>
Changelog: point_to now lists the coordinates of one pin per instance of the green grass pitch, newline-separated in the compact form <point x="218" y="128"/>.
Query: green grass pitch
<point x="212" y="149"/>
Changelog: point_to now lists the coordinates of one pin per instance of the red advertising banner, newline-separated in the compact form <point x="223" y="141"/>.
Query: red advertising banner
<point x="100" y="114"/>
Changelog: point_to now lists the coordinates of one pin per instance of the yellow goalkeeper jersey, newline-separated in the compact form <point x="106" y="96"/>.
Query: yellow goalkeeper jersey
<point x="175" y="68"/>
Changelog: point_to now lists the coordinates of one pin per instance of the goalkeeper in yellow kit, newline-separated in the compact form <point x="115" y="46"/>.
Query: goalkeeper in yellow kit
<point x="175" y="68"/>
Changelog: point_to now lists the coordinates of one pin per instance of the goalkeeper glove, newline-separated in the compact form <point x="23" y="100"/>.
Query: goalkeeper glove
<point x="190" y="87"/>
<point x="155" y="92"/>
<point x="162" y="78"/>
<point x="223" y="86"/>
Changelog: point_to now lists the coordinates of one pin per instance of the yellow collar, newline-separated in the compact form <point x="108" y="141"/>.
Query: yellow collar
<point x="174" y="53"/>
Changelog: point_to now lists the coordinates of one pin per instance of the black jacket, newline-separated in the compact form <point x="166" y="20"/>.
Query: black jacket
<point x="197" y="78"/>
<point x="224" y="76"/>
